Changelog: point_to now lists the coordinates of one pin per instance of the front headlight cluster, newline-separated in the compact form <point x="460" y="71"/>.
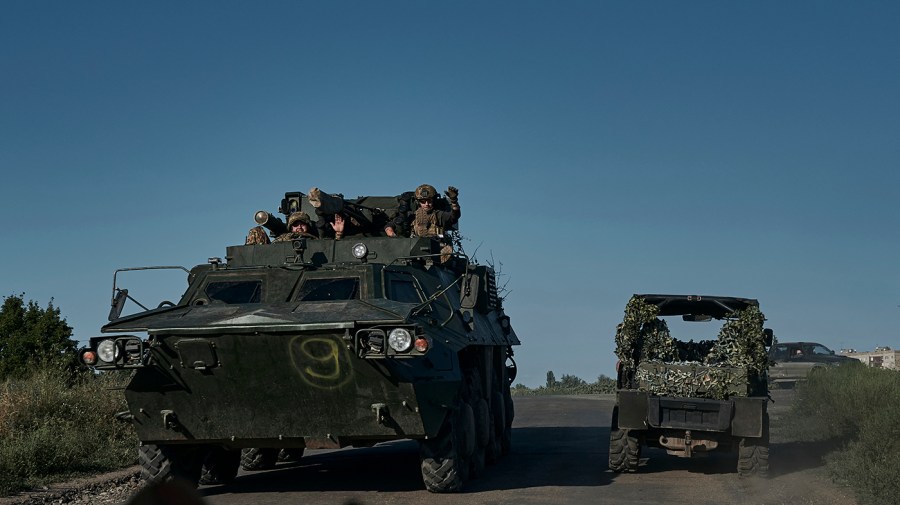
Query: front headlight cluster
<point x="383" y="342"/>
<point x="117" y="352"/>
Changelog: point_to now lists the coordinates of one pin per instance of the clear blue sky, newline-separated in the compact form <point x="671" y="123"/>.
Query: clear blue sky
<point x="601" y="149"/>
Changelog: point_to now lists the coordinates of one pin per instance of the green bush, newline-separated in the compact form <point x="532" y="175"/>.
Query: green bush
<point x="858" y="408"/>
<point x="569" y="385"/>
<point x="54" y="426"/>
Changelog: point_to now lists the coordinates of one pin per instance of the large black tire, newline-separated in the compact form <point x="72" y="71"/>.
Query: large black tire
<point x="161" y="463"/>
<point x="624" y="447"/>
<point x="254" y="458"/>
<point x="753" y="454"/>
<point x="482" y="436"/>
<point x="506" y="441"/>
<point x="494" y="449"/>
<point x="482" y="422"/>
<point x="444" y="462"/>
<point x="220" y="466"/>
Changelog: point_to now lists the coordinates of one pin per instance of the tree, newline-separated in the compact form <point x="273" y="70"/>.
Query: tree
<point x="571" y="381"/>
<point x="33" y="337"/>
<point x="551" y="379"/>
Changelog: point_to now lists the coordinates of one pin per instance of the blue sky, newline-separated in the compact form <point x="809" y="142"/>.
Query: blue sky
<point x="601" y="149"/>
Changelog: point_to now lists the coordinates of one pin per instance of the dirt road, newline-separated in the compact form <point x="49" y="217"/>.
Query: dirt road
<point x="559" y="457"/>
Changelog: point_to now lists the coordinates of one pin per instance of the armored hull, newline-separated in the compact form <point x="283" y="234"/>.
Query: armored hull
<point x="321" y="344"/>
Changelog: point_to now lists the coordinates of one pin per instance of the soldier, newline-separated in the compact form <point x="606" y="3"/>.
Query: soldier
<point x="256" y="236"/>
<point x="398" y="224"/>
<point x="334" y="215"/>
<point x="300" y="226"/>
<point x="427" y="220"/>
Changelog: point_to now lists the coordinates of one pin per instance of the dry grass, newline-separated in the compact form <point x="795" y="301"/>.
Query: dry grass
<point x="53" y="426"/>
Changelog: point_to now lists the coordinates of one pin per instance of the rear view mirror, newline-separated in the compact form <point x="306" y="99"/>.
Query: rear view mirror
<point x="118" y="303"/>
<point x="768" y="337"/>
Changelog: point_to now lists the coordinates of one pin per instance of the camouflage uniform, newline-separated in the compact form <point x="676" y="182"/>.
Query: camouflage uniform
<point x="257" y="236"/>
<point x="434" y="222"/>
<point x="293" y="219"/>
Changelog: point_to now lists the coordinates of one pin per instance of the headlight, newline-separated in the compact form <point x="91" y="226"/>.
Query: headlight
<point x="400" y="340"/>
<point x="360" y="251"/>
<point x="106" y="350"/>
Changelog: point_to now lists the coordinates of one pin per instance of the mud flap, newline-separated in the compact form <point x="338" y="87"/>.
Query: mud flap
<point x="748" y="417"/>
<point x="632" y="410"/>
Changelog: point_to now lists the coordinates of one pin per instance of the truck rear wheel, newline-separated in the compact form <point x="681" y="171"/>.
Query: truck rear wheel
<point x="255" y="458"/>
<point x="624" y="447"/>
<point x="160" y="463"/>
<point x="753" y="453"/>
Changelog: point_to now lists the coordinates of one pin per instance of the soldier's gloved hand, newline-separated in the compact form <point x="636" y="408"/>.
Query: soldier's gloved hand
<point x="452" y="194"/>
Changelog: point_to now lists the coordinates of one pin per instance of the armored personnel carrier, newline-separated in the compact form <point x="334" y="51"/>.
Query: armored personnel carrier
<point x="688" y="397"/>
<point x="319" y="343"/>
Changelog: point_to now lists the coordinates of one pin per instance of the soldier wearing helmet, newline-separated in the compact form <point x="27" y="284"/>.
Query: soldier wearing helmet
<point x="299" y="226"/>
<point x="257" y="236"/>
<point x="429" y="216"/>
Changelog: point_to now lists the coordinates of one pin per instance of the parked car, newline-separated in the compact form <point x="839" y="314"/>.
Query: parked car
<point x="793" y="361"/>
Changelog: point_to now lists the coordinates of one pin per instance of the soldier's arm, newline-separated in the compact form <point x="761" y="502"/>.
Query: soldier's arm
<point x="453" y="196"/>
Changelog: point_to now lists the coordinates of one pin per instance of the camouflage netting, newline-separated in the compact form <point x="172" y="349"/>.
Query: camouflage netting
<point x="691" y="380"/>
<point x="709" y="369"/>
<point x="741" y="342"/>
<point x="630" y="342"/>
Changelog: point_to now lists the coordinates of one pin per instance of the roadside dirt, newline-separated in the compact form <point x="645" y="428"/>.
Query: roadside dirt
<point x="559" y="456"/>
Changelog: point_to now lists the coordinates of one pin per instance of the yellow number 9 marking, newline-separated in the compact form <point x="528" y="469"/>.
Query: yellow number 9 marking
<point x="319" y="361"/>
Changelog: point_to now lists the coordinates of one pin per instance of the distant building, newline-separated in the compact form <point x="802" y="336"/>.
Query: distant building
<point x="881" y="357"/>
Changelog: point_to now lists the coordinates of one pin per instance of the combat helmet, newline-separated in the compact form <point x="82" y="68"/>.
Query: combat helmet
<point x="299" y="216"/>
<point x="426" y="192"/>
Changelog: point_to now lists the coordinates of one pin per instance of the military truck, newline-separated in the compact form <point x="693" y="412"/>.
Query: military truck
<point x="688" y="397"/>
<point x="319" y="343"/>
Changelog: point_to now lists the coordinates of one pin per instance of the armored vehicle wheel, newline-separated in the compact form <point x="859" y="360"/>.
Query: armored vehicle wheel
<point x="482" y="422"/>
<point x="160" y="463"/>
<point x="506" y="440"/>
<point x="255" y="458"/>
<point x="290" y="455"/>
<point x="753" y="454"/>
<point x="445" y="464"/>
<point x="498" y="414"/>
<point x="624" y="448"/>
<point x="482" y="435"/>
<point x="220" y="466"/>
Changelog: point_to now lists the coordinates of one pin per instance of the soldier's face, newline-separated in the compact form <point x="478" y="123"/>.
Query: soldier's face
<point x="300" y="227"/>
<point x="426" y="204"/>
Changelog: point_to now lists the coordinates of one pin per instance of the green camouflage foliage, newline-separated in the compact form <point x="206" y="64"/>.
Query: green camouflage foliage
<point x="691" y="380"/>
<point x="718" y="369"/>
<point x="741" y="342"/>
<point x="629" y="339"/>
